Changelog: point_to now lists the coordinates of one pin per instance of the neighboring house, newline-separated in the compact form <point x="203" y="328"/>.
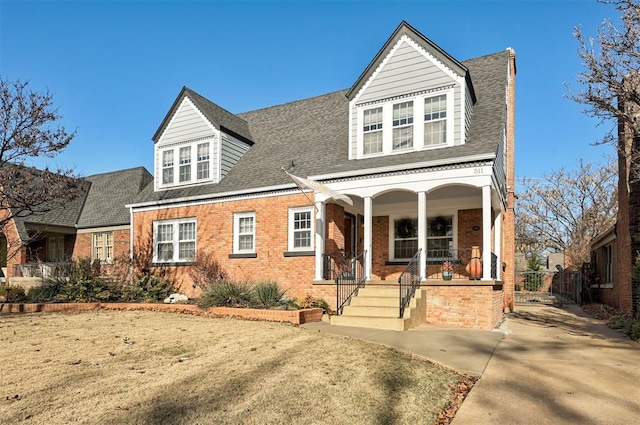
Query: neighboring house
<point x="605" y="274"/>
<point x="422" y="143"/>
<point x="95" y="225"/>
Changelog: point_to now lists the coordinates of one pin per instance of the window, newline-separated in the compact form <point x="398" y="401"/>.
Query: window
<point x="405" y="238"/>
<point x="167" y="167"/>
<point x="301" y="229"/>
<point x="435" y="120"/>
<point x="55" y="248"/>
<point x="372" y="131"/>
<point x="403" y="125"/>
<point x="103" y="246"/>
<point x="174" y="240"/>
<point x="607" y="263"/>
<point x="185" y="164"/>
<point x="244" y="232"/>
<point x="439" y="235"/>
<point x="203" y="161"/>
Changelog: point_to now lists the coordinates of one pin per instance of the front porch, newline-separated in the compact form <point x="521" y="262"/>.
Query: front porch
<point x="455" y="272"/>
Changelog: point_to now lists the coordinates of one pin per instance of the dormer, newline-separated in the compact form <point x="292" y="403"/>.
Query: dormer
<point x="197" y="143"/>
<point x="413" y="96"/>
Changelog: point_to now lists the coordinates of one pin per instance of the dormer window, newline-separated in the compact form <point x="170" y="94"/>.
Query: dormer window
<point x="203" y="161"/>
<point x="186" y="163"/>
<point x="372" y="131"/>
<point x="435" y="120"/>
<point x="403" y="125"/>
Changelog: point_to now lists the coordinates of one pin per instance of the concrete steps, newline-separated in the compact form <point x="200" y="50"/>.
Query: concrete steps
<point x="377" y="306"/>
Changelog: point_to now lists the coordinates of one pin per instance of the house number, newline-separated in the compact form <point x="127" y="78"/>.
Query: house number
<point x="478" y="171"/>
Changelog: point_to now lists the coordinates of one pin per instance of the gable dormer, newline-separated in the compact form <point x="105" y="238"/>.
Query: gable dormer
<point x="197" y="143"/>
<point x="413" y="96"/>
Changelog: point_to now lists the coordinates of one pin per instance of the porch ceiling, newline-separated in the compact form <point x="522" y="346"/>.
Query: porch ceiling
<point x="439" y="194"/>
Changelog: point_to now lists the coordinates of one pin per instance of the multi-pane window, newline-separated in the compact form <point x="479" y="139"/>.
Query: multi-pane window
<point x="244" y="232"/>
<point x="439" y="235"/>
<point x="103" y="246"/>
<point x="55" y="248"/>
<point x="185" y="164"/>
<point x="372" y="131"/>
<point x="403" y="125"/>
<point x="203" y="161"/>
<point x="435" y="120"/>
<point x="175" y="240"/>
<point x="167" y="167"/>
<point x="300" y="229"/>
<point x="405" y="238"/>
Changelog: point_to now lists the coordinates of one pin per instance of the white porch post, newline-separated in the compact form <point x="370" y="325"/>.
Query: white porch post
<point x="320" y="213"/>
<point x="368" y="236"/>
<point x="486" y="232"/>
<point x="497" y="241"/>
<point x="422" y="233"/>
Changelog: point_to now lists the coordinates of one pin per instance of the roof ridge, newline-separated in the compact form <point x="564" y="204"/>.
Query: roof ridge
<point x="193" y="92"/>
<point x="294" y="101"/>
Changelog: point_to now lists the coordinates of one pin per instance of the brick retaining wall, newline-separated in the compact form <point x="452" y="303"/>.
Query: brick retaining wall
<point x="296" y="317"/>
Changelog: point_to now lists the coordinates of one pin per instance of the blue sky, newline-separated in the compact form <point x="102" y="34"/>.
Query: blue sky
<point x="115" y="67"/>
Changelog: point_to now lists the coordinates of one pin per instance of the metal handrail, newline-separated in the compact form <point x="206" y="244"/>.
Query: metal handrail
<point x="409" y="281"/>
<point x="349" y="278"/>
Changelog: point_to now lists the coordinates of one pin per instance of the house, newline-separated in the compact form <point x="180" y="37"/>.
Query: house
<point x="95" y="225"/>
<point x="422" y="144"/>
<point x="605" y="276"/>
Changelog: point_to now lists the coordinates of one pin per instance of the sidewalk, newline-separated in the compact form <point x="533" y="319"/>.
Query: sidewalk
<point x="557" y="366"/>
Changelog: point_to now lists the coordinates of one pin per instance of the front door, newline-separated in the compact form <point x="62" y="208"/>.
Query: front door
<point x="349" y="235"/>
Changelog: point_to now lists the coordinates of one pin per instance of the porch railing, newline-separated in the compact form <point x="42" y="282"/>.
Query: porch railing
<point x="348" y="273"/>
<point x="458" y="260"/>
<point x="408" y="281"/>
<point x="43" y="270"/>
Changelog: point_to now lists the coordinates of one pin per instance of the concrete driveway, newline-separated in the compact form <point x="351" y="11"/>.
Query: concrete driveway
<point x="557" y="366"/>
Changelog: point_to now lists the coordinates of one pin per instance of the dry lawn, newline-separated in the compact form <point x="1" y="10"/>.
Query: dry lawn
<point x="115" y="367"/>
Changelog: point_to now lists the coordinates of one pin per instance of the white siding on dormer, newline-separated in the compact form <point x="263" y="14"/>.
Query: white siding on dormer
<point x="407" y="71"/>
<point x="186" y="124"/>
<point x="232" y="151"/>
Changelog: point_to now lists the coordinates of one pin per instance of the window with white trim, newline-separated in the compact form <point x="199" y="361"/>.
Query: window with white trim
<point x="244" y="233"/>
<point x="405" y="238"/>
<point x="174" y="241"/>
<point x="186" y="164"/>
<point x="203" y="161"/>
<point x="440" y="235"/>
<point x="435" y="120"/>
<point x="301" y="229"/>
<point x="103" y="246"/>
<point x="372" y="131"/>
<point x="403" y="125"/>
<point x="167" y="167"/>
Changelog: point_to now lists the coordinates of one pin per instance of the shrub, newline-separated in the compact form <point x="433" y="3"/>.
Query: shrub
<point x="268" y="294"/>
<point x="149" y="287"/>
<point x="312" y="302"/>
<point x="12" y="293"/>
<point x="227" y="294"/>
<point x="206" y="271"/>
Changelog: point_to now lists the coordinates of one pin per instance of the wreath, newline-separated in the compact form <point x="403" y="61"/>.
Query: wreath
<point x="405" y="228"/>
<point x="439" y="226"/>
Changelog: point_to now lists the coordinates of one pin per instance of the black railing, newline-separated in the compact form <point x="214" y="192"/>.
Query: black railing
<point x="408" y="281"/>
<point x="349" y="277"/>
<point x="456" y="261"/>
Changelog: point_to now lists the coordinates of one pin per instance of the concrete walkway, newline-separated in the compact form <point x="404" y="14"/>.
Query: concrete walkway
<point x="544" y="365"/>
<point x="557" y="366"/>
<point x="465" y="350"/>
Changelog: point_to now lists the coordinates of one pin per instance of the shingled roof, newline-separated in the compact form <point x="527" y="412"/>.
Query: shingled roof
<point x="108" y="195"/>
<point x="314" y="134"/>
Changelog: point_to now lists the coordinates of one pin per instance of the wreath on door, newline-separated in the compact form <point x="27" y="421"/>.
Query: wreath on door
<point x="405" y="228"/>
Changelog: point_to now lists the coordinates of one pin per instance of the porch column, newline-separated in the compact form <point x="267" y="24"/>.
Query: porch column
<point x="497" y="241"/>
<point x="320" y="219"/>
<point x="422" y="233"/>
<point x="486" y="232"/>
<point x="368" y="233"/>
